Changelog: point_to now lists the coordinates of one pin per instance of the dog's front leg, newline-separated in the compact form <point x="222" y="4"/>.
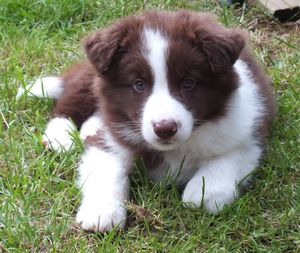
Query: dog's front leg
<point x="103" y="180"/>
<point x="215" y="183"/>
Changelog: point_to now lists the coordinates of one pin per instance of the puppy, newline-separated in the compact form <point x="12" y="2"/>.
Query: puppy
<point x="176" y="89"/>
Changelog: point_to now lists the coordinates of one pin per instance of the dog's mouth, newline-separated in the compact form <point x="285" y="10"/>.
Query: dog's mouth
<point x="164" y="145"/>
<point x="165" y="142"/>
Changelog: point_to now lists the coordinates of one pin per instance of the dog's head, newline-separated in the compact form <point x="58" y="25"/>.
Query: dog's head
<point x="163" y="74"/>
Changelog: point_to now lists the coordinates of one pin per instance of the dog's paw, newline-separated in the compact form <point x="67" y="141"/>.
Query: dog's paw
<point x="215" y="202"/>
<point x="213" y="198"/>
<point x="90" y="127"/>
<point x="57" y="135"/>
<point x="101" y="218"/>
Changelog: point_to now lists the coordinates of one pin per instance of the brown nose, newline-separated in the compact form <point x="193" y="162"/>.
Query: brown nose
<point x="165" y="129"/>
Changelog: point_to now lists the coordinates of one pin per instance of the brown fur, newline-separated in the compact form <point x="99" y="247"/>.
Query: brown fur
<point x="78" y="101"/>
<point x="264" y="84"/>
<point x="199" y="48"/>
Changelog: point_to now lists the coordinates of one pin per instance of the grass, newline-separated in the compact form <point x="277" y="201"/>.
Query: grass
<point x="38" y="197"/>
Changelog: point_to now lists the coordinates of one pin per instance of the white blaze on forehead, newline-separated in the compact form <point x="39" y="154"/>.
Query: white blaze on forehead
<point x="156" y="48"/>
<point x="161" y="105"/>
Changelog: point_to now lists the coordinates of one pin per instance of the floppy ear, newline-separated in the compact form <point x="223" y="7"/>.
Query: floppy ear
<point x="221" y="46"/>
<point x="99" y="50"/>
<point x="102" y="46"/>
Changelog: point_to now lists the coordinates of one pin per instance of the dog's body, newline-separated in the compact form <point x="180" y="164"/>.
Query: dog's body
<point x="176" y="89"/>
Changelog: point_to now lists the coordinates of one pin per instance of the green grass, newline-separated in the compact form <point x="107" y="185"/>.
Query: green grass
<point x="38" y="197"/>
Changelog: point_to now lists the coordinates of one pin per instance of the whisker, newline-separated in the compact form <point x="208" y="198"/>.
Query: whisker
<point x="129" y="132"/>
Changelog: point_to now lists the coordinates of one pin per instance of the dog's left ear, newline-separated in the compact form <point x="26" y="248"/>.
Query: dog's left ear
<point x="221" y="46"/>
<point x="104" y="45"/>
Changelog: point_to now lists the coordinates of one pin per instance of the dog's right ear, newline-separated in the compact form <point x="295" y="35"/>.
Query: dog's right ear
<point x="102" y="47"/>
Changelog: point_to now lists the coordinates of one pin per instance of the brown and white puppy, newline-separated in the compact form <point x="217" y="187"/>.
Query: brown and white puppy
<point x="167" y="87"/>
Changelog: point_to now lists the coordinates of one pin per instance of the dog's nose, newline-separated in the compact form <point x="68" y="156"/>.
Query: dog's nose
<point x="165" y="129"/>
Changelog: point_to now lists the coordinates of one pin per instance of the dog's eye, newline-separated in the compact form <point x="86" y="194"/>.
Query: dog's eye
<point x="188" y="83"/>
<point x="139" y="85"/>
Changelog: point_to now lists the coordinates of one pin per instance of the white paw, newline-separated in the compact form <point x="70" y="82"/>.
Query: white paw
<point x="58" y="134"/>
<point x="90" y="126"/>
<point x="101" y="218"/>
<point x="215" y="202"/>
<point x="213" y="198"/>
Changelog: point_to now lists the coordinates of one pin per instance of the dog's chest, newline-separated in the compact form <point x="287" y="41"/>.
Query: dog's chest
<point x="179" y="164"/>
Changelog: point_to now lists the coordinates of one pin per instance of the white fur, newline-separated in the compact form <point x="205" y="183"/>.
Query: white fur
<point x="220" y="177"/>
<point x="160" y="104"/>
<point x="221" y="153"/>
<point x="103" y="179"/>
<point x="91" y="126"/>
<point x="45" y="87"/>
<point x="215" y="157"/>
<point x="58" y="134"/>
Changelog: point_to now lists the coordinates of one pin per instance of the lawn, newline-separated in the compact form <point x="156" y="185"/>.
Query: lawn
<point x="38" y="197"/>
